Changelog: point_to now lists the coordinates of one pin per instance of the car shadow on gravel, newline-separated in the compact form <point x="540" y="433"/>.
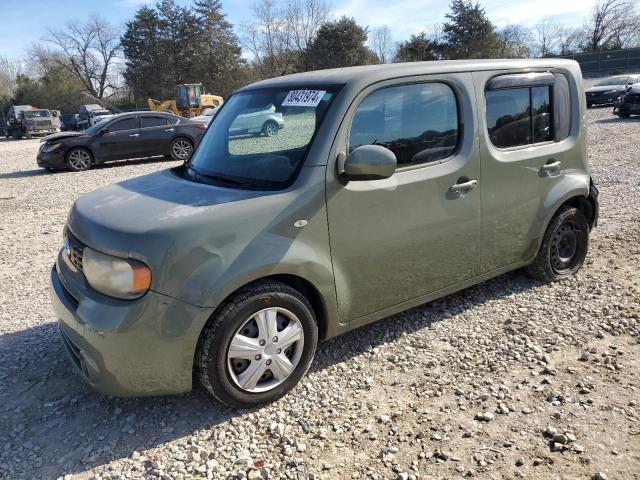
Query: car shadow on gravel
<point x="38" y="172"/>
<point x="616" y="119"/>
<point x="57" y="425"/>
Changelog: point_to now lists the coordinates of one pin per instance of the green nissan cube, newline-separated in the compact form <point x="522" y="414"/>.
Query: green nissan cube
<point x="387" y="187"/>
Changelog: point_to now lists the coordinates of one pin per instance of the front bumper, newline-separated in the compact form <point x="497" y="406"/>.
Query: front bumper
<point x="126" y="348"/>
<point x="602" y="99"/>
<point x="626" y="108"/>
<point x="53" y="159"/>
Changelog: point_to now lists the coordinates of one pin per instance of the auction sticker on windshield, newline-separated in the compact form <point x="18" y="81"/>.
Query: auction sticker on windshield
<point x="303" y="98"/>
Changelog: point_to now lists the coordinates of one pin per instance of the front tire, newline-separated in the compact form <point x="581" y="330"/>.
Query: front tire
<point x="564" y="246"/>
<point x="79" y="160"/>
<point x="258" y="346"/>
<point x="181" y="149"/>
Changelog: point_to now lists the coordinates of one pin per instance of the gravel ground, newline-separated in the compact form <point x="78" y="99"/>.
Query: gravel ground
<point x="508" y="379"/>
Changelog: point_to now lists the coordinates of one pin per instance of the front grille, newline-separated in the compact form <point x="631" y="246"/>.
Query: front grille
<point x="75" y="251"/>
<point x="44" y="123"/>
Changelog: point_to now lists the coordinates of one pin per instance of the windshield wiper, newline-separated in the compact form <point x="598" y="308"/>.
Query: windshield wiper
<point x="217" y="178"/>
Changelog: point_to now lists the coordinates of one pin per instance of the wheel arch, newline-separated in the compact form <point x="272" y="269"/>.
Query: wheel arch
<point x="585" y="204"/>
<point x="298" y="283"/>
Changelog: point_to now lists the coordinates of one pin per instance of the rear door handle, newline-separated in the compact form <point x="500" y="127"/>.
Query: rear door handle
<point x="134" y="135"/>
<point x="462" y="188"/>
<point x="552" y="167"/>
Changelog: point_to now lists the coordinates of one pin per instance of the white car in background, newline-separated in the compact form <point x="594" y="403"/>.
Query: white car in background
<point x="261" y="121"/>
<point x="207" y="115"/>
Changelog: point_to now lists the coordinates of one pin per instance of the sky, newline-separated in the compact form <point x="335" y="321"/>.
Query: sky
<point x="26" y="21"/>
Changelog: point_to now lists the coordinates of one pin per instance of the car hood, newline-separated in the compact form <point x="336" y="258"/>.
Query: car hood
<point x="61" y="136"/>
<point x="176" y="226"/>
<point x="148" y="204"/>
<point x="604" y="88"/>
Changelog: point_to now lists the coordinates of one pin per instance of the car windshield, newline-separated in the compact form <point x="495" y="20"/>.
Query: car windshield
<point x="610" y="82"/>
<point x="258" y="139"/>
<point x="37" y="114"/>
<point x="96" y="126"/>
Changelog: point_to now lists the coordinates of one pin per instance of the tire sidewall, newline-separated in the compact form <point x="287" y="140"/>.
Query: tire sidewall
<point x="575" y="215"/>
<point x="218" y="376"/>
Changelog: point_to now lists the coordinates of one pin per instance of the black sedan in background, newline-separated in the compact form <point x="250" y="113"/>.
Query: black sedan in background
<point x="123" y="136"/>
<point x="607" y="90"/>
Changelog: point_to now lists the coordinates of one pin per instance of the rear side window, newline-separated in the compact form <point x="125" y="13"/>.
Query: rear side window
<point x="508" y="117"/>
<point x="417" y="122"/>
<point x="152" y="121"/>
<point x="521" y="114"/>
<point x="129" y="123"/>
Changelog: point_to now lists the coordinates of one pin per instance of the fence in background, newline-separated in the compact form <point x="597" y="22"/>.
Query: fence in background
<point x="627" y="59"/>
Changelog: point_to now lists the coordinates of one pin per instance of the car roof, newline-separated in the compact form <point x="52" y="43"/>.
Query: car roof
<point x="145" y="113"/>
<point x="368" y="74"/>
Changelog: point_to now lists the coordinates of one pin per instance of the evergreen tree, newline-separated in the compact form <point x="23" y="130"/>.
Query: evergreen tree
<point x="419" y="48"/>
<point x="169" y="45"/>
<point x="469" y="33"/>
<point x="222" y="63"/>
<point x="339" y="44"/>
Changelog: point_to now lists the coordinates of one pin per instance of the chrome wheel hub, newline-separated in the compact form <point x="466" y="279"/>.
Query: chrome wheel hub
<point x="265" y="350"/>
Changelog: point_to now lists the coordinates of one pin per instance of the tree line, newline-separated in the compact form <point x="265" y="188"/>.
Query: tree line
<point x="168" y="44"/>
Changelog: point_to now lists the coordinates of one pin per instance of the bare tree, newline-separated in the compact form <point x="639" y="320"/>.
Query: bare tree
<point x="568" y="40"/>
<point x="280" y="33"/>
<point x="304" y="18"/>
<point x="546" y="36"/>
<point x="90" y="52"/>
<point x="381" y="43"/>
<point x="10" y="68"/>
<point x="612" y="24"/>
<point x="515" y="42"/>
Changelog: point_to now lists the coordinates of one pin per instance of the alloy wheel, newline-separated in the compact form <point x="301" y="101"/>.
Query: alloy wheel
<point x="265" y="350"/>
<point x="271" y="129"/>
<point x="79" y="159"/>
<point x="181" y="149"/>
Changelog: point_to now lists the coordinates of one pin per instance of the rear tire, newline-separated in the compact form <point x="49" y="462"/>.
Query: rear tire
<point x="267" y="367"/>
<point x="564" y="246"/>
<point x="270" y="128"/>
<point x="79" y="159"/>
<point x="181" y="149"/>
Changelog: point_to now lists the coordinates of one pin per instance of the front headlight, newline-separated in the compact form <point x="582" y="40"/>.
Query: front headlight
<point x="127" y="279"/>
<point x="50" y="147"/>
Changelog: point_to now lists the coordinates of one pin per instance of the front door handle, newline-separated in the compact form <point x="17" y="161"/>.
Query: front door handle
<point x="170" y="130"/>
<point x="462" y="188"/>
<point x="134" y="135"/>
<point x="549" y="168"/>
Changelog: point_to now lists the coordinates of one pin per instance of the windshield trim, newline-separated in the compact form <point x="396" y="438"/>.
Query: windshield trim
<point x="246" y="183"/>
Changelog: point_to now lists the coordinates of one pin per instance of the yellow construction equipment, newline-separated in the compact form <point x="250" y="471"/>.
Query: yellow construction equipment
<point x="191" y="101"/>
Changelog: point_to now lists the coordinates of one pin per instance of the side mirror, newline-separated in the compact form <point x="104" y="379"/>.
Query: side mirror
<point x="103" y="131"/>
<point x="368" y="162"/>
